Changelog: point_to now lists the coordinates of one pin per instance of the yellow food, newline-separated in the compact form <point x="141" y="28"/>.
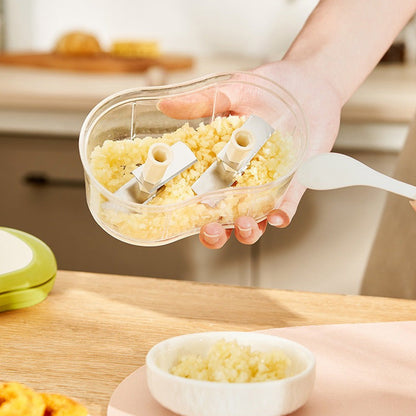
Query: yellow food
<point x="18" y="400"/>
<point x="112" y="163"/>
<point x="229" y="362"/>
<point x="78" y="43"/>
<point x="58" y="405"/>
<point x="136" y="49"/>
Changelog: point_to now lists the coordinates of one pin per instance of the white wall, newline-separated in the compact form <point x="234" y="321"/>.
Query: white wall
<point x="17" y="22"/>
<point x="259" y="28"/>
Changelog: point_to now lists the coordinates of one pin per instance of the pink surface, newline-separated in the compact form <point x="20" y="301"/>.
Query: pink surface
<point x="362" y="370"/>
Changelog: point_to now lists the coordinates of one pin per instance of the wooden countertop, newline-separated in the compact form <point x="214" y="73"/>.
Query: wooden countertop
<point x="94" y="330"/>
<point x="54" y="90"/>
<point x="388" y="94"/>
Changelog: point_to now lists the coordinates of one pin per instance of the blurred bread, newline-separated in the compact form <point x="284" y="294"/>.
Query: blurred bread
<point x="78" y="43"/>
<point x="135" y="49"/>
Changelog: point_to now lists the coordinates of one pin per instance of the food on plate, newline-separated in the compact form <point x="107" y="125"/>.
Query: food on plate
<point x="113" y="161"/>
<point x="135" y="49"/>
<point x="17" y="399"/>
<point x="78" y="43"/>
<point x="229" y="362"/>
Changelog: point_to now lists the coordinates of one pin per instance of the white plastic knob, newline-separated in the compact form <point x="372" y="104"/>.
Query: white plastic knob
<point x="158" y="159"/>
<point x="240" y="145"/>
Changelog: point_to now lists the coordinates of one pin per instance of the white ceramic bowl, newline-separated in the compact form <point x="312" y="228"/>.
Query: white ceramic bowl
<point x="206" y="398"/>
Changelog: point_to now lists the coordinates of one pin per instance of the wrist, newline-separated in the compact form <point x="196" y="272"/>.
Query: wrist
<point x="323" y="73"/>
<point x="303" y="78"/>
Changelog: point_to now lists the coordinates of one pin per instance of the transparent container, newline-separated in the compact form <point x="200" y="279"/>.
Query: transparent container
<point x="135" y="113"/>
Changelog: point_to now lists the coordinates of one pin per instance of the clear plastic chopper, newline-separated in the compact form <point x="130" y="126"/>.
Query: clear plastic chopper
<point x="135" y="114"/>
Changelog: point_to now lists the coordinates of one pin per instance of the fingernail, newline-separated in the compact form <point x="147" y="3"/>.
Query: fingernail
<point x="245" y="232"/>
<point x="276" y="221"/>
<point x="211" y="238"/>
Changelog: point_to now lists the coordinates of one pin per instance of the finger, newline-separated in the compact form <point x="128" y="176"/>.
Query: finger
<point x="282" y="216"/>
<point x="278" y="218"/>
<point x="413" y="204"/>
<point x="214" y="235"/>
<point x="247" y="231"/>
<point x="195" y="105"/>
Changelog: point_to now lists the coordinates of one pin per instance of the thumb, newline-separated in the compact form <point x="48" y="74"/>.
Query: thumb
<point x="195" y="105"/>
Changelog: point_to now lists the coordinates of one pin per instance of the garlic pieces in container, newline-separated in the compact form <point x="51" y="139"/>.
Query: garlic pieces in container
<point x="116" y="137"/>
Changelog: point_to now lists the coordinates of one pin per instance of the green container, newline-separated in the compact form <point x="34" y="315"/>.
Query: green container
<point x="27" y="269"/>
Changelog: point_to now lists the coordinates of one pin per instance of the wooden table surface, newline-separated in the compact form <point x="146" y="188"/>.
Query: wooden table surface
<point x="94" y="330"/>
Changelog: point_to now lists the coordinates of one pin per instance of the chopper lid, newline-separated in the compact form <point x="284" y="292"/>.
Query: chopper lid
<point x="25" y="261"/>
<point x="16" y="299"/>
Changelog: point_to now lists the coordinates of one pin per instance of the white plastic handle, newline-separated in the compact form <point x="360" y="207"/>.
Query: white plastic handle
<point x="335" y="170"/>
<point x="158" y="159"/>
<point x="240" y="145"/>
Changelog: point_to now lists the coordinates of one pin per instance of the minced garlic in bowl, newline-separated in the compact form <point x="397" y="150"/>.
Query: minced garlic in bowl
<point x="230" y="373"/>
<point x="229" y="362"/>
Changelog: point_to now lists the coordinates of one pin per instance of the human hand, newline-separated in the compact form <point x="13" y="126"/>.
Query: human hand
<point x="413" y="204"/>
<point x="321" y="107"/>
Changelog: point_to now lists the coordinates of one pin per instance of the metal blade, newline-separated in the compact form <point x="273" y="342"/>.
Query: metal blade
<point x="182" y="159"/>
<point x="220" y="175"/>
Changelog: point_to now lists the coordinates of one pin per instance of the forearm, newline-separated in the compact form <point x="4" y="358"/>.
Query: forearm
<point x="343" y="40"/>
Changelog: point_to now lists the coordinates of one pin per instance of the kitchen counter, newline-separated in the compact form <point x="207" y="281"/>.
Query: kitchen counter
<point x="56" y="102"/>
<point x="388" y="95"/>
<point x="42" y="101"/>
<point x="94" y="330"/>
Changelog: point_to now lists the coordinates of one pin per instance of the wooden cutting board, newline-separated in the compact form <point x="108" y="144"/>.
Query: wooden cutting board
<point x="98" y="63"/>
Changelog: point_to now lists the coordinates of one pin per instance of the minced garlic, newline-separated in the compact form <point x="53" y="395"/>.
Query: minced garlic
<point x="113" y="161"/>
<point x="229" y="362"/>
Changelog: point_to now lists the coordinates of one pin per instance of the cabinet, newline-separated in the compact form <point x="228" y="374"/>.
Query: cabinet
<point x="325" y="248"/>
<point x="42" y="193"/>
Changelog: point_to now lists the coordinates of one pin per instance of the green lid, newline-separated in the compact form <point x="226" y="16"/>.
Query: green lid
<point x="25" y="261"/>
<point x="16" y="299"/>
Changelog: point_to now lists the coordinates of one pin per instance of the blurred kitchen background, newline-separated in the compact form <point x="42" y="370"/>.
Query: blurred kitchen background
<point x="41" y="111"/>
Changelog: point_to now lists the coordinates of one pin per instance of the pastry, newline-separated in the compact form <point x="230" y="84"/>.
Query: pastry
<point x="18" y="400"/>
<point x="59" y="405"/>
<point x="78" y="43"/>
<point x="135" y="49"/>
